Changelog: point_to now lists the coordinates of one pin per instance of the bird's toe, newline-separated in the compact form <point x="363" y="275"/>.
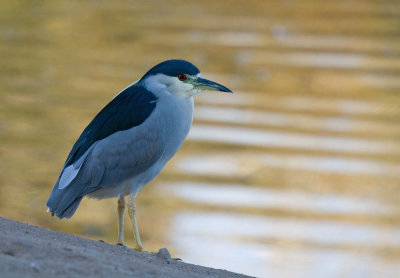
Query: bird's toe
<point x="122" y="245"/>
<point x="141" y="249"/>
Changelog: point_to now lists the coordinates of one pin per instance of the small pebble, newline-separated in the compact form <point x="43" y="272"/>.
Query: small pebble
<point x="164" y="254"/>
<point x="35" y="267"/>
<point x="10" y="253"/>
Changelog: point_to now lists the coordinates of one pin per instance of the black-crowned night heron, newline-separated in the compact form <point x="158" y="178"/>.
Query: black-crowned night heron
<point x="129" y="142"/>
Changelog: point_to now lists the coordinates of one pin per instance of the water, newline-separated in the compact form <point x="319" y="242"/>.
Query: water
<point x="295" y="175"/>
<point x="232" y="195"/>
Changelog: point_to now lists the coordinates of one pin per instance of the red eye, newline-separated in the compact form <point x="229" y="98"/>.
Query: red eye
<point x="182" y="77"/>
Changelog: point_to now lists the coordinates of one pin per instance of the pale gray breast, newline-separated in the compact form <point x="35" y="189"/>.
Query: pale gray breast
<point x="173" y="117"/>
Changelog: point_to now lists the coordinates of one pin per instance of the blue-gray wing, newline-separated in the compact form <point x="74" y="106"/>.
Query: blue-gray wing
<point x="120" y="156"/>
<point x="110" y="161"/>
<point x="116" y="145"/>
<point x="129" y="108"/>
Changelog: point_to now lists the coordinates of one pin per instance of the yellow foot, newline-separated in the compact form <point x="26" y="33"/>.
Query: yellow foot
<point x="136" y="248"/>
<point x="141" y="249"/>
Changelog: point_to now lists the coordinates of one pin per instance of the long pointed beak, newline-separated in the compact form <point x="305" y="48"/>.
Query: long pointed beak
<point x="205" y="84"/>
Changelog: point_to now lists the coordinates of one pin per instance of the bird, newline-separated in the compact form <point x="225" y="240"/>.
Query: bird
<point x="129" y="142"/>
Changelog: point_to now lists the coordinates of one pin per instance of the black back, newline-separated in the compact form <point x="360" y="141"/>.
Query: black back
<point x="128" y="109"/>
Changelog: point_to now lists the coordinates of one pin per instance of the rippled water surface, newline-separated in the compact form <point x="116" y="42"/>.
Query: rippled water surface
<point x="297" y="174"/>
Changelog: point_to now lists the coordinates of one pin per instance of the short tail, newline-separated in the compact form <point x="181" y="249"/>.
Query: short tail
<point x="67" y="212"/>
<point x="64" y="202"/>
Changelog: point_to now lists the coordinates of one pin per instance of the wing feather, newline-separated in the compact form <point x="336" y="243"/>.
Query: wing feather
<point x="141" y="154"/>
<point x="128" y="109"/>
<point x="95" y="160"/>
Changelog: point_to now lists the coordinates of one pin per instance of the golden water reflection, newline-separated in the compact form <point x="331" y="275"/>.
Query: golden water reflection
<point x="295" y="175"/>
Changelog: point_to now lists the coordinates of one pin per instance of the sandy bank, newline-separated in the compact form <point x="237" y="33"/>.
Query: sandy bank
<point x="29" y="251"/>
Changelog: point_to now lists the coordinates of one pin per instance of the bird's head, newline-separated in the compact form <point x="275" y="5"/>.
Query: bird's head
<point x="181" y="78"/>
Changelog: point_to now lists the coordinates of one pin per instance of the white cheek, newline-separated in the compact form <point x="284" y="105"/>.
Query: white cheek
<point x="180" y="88"/>
<point x="196" y="91"/>
<point x="173" y="85"/>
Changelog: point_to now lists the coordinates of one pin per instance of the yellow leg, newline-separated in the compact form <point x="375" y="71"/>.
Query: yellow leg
<point x="132" y="216"/>
<point x="121" y="211"/>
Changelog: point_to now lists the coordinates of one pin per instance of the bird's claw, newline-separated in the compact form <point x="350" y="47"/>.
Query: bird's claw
<point x="122" y="245"/>
<point x="141" y="249"/>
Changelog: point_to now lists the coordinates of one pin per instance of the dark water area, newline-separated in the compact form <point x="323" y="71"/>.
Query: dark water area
<point x="297" y="174"/>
